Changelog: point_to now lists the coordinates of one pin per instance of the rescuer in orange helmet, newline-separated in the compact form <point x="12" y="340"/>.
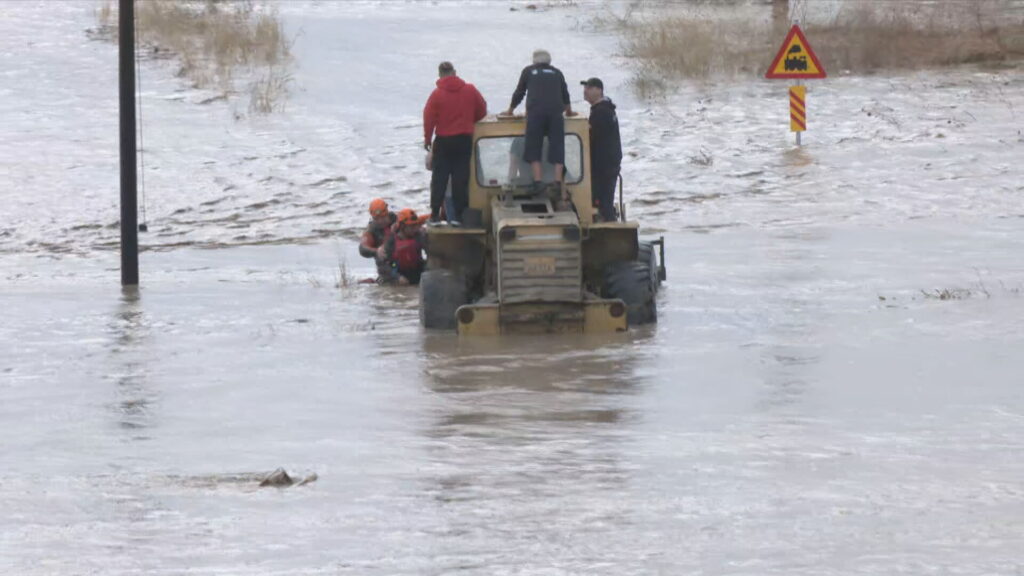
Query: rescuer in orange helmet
<point x="403" y="249"/>
<point x="377" y="231"/>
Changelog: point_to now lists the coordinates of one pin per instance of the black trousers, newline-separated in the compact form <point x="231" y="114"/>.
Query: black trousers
<point x="603" y="191"/>
<point x="451" y="161"/>
<point x="541" y="124"/>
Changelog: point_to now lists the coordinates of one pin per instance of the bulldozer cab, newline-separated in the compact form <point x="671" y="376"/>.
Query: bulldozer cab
<point x="498" y="167"/>
<point x="531" y="262"/>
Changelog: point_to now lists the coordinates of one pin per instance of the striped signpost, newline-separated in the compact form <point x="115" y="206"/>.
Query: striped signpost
<point x="797" y="110"/>
<point x="796" y="61"/>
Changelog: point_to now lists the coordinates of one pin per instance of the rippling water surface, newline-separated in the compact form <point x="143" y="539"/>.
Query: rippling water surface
<point x="833" y="386"/>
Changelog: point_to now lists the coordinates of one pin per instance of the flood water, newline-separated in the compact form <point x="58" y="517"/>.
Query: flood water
<point x="833" y="387"/>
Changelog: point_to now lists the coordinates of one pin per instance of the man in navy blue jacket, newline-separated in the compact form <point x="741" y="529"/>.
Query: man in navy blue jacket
<point x="547" y="97"/>
<point x="605" y="148"/>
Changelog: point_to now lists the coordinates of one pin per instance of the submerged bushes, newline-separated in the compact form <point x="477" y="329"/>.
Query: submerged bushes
<point x="214" y="42"/>
<point x="702" y="39"/>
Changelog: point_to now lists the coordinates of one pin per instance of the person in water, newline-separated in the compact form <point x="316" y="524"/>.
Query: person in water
<point x="382" y="220"/>
<point x="403" y="250"/>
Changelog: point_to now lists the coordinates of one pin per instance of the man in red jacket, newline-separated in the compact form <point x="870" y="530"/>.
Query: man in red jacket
<point x="451" y="111"/>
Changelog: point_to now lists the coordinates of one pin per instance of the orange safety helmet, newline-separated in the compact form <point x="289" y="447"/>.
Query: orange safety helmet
<point x="378" y="207"/>
<point x="407" y="216"/>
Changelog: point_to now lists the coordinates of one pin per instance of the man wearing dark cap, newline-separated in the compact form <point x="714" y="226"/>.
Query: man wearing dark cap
<point x="451" y="111"/>
<point x="547" y="97"/>
<point x="605" y="148"/>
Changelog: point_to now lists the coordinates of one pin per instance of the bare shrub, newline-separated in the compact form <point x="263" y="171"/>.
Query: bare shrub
<point x="269" y="92"/>
<point x="649" y="82"/>
<point x="216" y="41"/>
<point x="948" y="294"/>
<point x="105" y="17"/>
<point x="684" y="47"/>
<point x="343" y="279"/>
<point x="861" y="37"/>
<point x="899" y="35"/>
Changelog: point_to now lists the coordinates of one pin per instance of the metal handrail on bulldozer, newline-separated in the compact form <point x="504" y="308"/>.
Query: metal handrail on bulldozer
<point x="622" y="204"/>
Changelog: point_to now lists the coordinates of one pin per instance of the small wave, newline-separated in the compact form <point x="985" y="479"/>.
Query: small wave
<point x="263" y="204"/>
<point x="218" y="200"/>
<point x="327" y="181"/>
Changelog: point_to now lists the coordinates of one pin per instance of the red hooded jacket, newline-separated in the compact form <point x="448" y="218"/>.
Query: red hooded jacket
<point x="453" y="107"/>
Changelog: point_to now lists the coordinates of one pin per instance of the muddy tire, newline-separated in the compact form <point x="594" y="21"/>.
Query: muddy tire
<point x="646" y="254"/>
<point x="633" y="283"/>
<point x="441" y="294"/>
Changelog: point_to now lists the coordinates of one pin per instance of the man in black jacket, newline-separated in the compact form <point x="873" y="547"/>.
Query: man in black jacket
<point x="547" y="97"/>
<point x="605" y="148"/>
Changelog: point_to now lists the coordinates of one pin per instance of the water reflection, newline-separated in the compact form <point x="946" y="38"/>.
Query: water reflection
<point x="796" y="157"/>
<point x="791" y="347"/>
<point x="592" y="364"/>
<point x="127" y="369"/>
<point x="528" y="424"/>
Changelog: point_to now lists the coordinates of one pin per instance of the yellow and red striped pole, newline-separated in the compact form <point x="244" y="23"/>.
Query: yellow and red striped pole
<point x="797" y="110"/>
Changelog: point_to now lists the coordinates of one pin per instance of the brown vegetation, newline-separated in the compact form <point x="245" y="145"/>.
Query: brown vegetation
<point x="861" y="37"/>
<point x="904" y="35"/>
<point x="215" y="42"/>
<point x="342" y="278"/>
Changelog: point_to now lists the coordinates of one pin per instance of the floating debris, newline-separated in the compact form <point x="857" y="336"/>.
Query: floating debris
<point x="280" y="479"/>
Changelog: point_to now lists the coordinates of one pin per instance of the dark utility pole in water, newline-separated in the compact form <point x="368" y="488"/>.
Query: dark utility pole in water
<point x="129" y="191"/>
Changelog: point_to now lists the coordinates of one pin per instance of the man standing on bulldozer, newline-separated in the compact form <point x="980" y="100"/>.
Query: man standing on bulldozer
<point x="452" y="110"/>
<point x="547" y="97"/>
<point x="605" y="148"/>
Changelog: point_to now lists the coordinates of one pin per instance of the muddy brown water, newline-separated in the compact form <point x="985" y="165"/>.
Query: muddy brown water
<point x="807" y="403"/>
<point x="779" y="418"/>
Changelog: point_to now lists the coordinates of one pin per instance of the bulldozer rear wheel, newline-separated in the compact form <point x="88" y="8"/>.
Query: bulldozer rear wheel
<point x="646" y="254"/>
<point x="441" y="293"/>
<point x="633" y="283"/>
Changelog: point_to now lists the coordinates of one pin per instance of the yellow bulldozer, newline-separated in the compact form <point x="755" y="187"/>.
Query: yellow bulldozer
<point x="523" y="262"/>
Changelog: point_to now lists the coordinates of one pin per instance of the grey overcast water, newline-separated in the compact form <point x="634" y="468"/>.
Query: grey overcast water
<point x="834" y="385"/>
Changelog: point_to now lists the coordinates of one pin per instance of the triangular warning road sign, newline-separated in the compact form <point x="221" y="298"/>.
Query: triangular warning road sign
<point x="796" y="59"/>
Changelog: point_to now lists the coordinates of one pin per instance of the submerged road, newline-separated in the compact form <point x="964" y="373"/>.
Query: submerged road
<point x="833" y="386"/>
